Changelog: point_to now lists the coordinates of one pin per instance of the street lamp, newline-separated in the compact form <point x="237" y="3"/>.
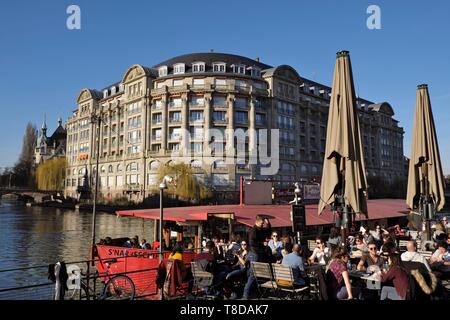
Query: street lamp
<point x="96" y="121"/>
<point x="162" y="186"/>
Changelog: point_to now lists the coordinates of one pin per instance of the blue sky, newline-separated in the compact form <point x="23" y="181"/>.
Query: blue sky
<point x="43" y="65"/>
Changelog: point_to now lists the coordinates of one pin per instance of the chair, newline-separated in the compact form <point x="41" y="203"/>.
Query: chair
<point x="203" y="281"/>
<point x="284" y="279"/>
<point x="402" y="245"/>
<point x="264" y="279"/>
<point x="312" y="245"/>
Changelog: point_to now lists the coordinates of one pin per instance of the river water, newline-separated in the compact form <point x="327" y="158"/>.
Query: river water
<point x="37" y="236"/>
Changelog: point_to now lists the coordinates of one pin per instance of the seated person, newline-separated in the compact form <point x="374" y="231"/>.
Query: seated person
<point x="412" y="255"/>
<point x="339" y="287"/>
<point x="320" y="253"/>
<point x="360" y="247"/>
<point x="396" y="275"/>
<point x="275" y="246"/>
<point x="372" y="258"/>
<point x="440" y="260"/>
<point x="177" y="252"/>
<point x="295" y="261"/>
<point x="145" y="245"/>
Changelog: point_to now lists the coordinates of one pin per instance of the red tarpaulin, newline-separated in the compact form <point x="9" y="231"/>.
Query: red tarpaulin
<point x="378" y="209"/>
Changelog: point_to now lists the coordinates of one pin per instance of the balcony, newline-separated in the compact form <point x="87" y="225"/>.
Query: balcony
<point x="178" y="89"/>
<point x="201" y="88"/>
<point x="220" y="120"/>
<point x="156" y="106"/>
<point x="174" y="120"/>
<point x="134" y="111"/>
<point x="159" y="91"/>
<point x="261" y="123"/>
<point x="157" y="122"/>
<point x="196" y="104"/>
<point x="224" y="88"/>
<point x="241" y="120"/>
<point x="175" y="105"/>
<point x="196" y="120"/>
<point x="175" y="137"/>
<point x="133" y="187"/>
<point x="242" y="89"/>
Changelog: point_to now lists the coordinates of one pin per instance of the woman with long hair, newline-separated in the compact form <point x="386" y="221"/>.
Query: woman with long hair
<point x="398" y="276"/>
<point x="338" y="278"/>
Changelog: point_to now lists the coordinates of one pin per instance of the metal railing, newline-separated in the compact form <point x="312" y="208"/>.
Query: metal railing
<point x="90" y="286"/>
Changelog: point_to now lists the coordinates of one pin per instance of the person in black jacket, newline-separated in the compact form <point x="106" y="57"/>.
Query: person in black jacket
<point x="258" y="252"/>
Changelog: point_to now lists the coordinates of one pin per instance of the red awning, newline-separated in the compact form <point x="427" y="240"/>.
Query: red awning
<point x="378" y="209"/>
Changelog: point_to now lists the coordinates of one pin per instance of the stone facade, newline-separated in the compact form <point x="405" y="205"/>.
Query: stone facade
<point x="166" y="113"/>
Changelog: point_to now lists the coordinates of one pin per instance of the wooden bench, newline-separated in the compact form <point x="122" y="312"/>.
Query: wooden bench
<point x="284" y="279"/>
<point x="264" y="279"/>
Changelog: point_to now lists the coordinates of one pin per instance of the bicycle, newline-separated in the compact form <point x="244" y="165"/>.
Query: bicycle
<point x="117" y="287"/>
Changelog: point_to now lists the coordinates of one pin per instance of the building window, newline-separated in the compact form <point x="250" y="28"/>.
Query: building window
<point x="175" y="116"/>
<point x="175" y="103"/>
<point x="198" y="67"/>
<point x="178" y="68"/>
<point x="241" y="117"/>
<point x="255" y="71"/>
<point x="177" y="83"/>
<point x="197" y="133"/>
<point x="199" y="82"/>
<point x="220" y="82"/>
<point x="219" y="115"/>
<point x="196" y="116"/>
<point x="219" y="101"/>
<point x="219" y="66"/>
<point x="238" y="68"/>
<point x="162" y="71"/>
<point x="197" y="101"/>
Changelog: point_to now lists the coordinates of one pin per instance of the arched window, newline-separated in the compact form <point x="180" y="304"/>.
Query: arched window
<point x="132" y="166"/>
<point x="119" y="168"/>
<point x="110" y="169"/>
<point x="154" y="165"/>
<point x="196" y="164"/>
<point x="102" y="169"/>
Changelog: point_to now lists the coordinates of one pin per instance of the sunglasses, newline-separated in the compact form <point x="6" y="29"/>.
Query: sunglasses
<point x="372" y="248"/>
<point x="275" y="236"/>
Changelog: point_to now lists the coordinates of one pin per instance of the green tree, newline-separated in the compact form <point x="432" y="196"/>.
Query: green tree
<point x="186" y="185"/>
<point x="50" y="175"/>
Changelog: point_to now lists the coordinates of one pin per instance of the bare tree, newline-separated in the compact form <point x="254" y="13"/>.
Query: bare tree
<point x="23" y="170"/>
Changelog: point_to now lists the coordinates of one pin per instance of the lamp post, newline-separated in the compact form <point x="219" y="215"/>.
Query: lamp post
<point x="96" y="121"/>
<point x="162" y="186"/>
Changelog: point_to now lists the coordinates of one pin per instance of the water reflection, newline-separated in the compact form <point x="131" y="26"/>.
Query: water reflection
<point x="38" y="236"/>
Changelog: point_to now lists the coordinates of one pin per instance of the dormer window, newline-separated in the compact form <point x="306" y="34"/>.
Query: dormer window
<point x="219" y="66"/>
<point x="198" y="67"/>
<point x="105" y="93"/>
<point x="238" y="68"/>
<point x="162" y="71"/>
<point x="113" y="90"/>
<point x="312" y="90"/>
<point x="178" y="68"/>
<point x="121" y="87"/>
<point x="255" y="71"/>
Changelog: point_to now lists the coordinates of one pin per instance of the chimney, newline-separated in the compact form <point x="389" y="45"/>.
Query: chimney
<point x="257" y="59"/>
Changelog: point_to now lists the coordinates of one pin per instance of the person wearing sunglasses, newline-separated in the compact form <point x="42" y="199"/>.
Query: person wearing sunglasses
<point x="276" y="245"/>
<point x="320" y="253"/>
<point x="370" y="259"/>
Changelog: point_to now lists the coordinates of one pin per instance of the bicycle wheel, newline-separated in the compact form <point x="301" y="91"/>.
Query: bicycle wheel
<point x="118" y="288"/>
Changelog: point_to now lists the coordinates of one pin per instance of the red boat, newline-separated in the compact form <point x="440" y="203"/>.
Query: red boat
<point x="138" y="264"/>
